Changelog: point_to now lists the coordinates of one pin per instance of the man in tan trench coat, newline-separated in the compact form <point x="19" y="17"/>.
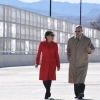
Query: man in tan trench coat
<point x="78" y="48"/>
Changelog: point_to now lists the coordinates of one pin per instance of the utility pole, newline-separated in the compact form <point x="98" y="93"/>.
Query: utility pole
<point x="50" y="8"/>
<point x="80" y="12"/>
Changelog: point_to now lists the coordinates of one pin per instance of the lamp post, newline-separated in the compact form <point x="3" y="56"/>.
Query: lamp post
<point x="80" y="12"/>
<point x="50" y="8"/>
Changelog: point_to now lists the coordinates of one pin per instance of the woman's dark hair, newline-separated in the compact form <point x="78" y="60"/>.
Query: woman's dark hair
<point x="47" y="33"/>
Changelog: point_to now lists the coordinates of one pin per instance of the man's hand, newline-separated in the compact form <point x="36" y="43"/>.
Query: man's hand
<point x="36" y="66"/>
<point x="89" y="49"/>
<point x="58" y="68"/>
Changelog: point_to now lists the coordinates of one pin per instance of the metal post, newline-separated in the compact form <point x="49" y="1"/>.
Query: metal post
<point x="80" y="11"/>
<point x="50" y="7"/>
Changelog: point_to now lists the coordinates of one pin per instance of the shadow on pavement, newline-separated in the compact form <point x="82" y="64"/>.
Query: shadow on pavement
<point x="86" y="99"/>
<point x="63" y="99"/>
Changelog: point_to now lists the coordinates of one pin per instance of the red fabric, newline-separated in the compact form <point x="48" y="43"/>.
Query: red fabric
<point x="50" y="60"/>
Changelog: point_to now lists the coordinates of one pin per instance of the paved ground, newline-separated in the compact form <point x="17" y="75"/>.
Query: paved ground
<point x="21" y="83"/>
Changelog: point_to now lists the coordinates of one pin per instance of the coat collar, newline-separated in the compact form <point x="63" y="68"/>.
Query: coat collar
<point x="48" y="44"/>
<point x="82" y="36"/>
<point x="80" y="40"/>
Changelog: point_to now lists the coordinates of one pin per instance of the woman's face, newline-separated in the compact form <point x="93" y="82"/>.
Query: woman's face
<point x="50" y="38"/>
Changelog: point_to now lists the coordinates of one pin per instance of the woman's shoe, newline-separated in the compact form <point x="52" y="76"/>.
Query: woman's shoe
<point x="76" y="97"/>
<point x="49" y="94"/>
<point x="46" y="98"/>
<point x="46" y="95"/>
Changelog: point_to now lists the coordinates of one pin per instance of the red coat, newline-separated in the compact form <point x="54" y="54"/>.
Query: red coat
<point x="50" y="60"/>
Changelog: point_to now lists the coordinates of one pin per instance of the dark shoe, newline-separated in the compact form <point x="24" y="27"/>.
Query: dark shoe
<point x="46" y="98"/>
<point x="81" y="95"/>
<point x="49" y="94"/>
<point x="46" y="95"/>
<point x="76" y="97"/>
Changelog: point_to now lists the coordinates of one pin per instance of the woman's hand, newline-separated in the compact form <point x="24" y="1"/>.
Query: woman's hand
<point x="36" y="66"/>
<point x="58" y="68"/>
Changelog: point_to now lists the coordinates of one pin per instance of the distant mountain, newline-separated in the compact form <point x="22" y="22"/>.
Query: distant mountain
<point x="94" y="12"/>
<point x="75" y="19"/>
<point x="58" y="8"/>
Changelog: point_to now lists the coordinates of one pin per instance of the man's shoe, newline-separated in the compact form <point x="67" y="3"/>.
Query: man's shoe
<point x="81" y="95"/>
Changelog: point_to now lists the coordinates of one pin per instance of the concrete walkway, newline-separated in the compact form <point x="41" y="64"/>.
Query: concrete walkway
<point x="21" y="83"/>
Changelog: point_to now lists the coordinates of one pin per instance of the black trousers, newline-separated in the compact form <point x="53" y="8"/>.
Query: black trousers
<point x="47" y="85"/>
<point x="79" y="88"/>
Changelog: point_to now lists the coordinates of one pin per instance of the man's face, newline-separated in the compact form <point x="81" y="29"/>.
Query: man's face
<point x="78" y="31"/>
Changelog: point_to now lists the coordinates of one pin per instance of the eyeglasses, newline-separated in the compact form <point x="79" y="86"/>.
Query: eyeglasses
<point x="77" y="31"/>
<point x="51" y="35"/>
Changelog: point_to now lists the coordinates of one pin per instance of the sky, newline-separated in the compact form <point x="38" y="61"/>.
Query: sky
<point x="71" y="1"/>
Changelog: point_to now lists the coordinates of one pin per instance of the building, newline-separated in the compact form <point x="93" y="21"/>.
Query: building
<point x="21" y="31"/>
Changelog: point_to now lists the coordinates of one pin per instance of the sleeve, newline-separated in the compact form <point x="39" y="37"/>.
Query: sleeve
<point x="38" y="54"/>
<point x="68" y="52"/>
<point x="57" y="57"/>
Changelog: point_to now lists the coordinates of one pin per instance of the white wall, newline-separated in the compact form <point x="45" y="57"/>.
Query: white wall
<point x="26" y="60"/>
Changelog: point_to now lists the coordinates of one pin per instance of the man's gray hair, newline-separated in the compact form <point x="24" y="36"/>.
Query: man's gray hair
<point x="79" y="26"/>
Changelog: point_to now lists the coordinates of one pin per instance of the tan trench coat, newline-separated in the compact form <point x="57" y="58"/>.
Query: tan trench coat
<point x="77" y="55"/>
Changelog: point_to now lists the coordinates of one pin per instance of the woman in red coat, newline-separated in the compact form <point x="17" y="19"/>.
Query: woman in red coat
<point x="50" y="60"/>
